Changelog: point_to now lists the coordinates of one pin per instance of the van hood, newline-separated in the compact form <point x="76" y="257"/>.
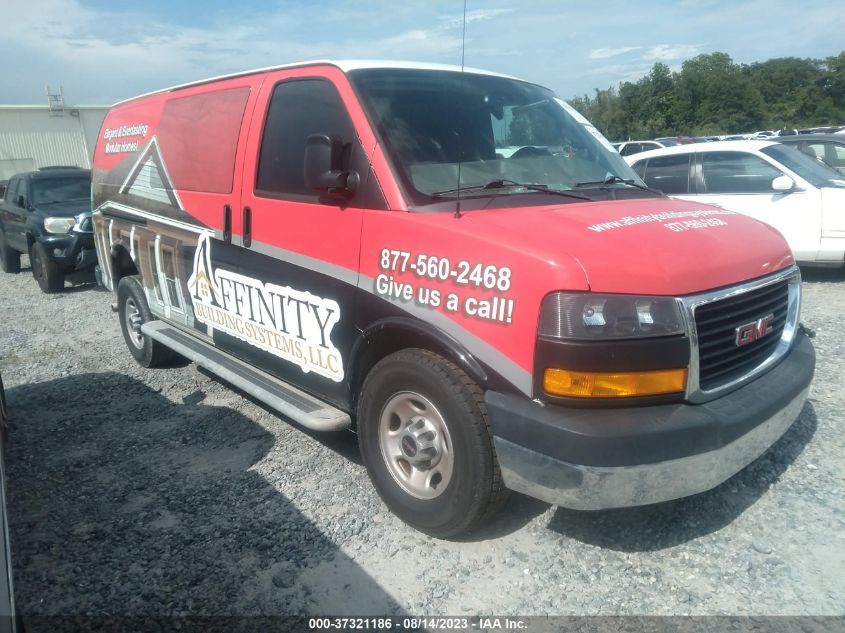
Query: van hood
<point x="659" y="246"/>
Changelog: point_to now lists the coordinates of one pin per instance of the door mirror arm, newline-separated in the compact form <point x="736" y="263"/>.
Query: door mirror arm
<point x="322" y="167"/>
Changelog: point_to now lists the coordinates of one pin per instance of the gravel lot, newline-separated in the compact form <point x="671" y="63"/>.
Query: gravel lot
<point x="135" y="491"/>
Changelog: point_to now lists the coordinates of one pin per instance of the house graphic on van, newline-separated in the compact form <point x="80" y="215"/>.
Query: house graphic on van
<point x="149" y="179"/>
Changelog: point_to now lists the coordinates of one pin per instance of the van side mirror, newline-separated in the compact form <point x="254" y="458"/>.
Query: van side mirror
<point x="783" y="184"/>
<point x="323" y="162"/>
<point x="21" y="202"/>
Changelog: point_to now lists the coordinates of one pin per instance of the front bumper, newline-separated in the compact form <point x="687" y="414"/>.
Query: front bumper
<point x="74" y="250"/>
<point x="593" y="459"/>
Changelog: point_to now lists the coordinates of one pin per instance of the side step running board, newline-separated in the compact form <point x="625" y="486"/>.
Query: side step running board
<point x="294" y="403"/>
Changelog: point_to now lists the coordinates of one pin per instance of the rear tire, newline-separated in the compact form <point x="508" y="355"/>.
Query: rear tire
<point x="134" y="312"/>
<point x="10" y="259"/>
<point x="426" y="443"/>
<point x="48" y="274"/>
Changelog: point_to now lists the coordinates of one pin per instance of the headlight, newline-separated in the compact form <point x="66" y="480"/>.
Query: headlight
<point x="601" y="316"/>
<point x="59" y="225"/>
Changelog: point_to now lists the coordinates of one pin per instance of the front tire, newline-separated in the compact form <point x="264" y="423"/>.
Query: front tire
<point x="426" y="443"/>
<point x="10" y="259"/>
<point x="134" y="311"/>
<point x="47" y="273"/>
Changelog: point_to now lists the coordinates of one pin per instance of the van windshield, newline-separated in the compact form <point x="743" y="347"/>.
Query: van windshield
<point x="438" y="124"/>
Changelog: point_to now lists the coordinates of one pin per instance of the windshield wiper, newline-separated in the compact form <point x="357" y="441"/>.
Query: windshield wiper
<point x="507" y="184"/>
<point x="613" y="180"/>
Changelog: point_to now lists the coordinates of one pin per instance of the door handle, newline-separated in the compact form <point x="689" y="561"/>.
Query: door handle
<point x="227" y="224"/>
<point x="247" y="224"/>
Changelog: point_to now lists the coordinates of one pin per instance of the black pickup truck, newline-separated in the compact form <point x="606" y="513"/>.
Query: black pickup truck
<point x="47" y="214"/>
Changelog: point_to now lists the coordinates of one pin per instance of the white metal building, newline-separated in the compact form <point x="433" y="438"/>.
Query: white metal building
<point x="39" y="136"/>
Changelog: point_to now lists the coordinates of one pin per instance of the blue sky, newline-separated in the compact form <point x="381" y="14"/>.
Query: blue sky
<point x="102" y="51"/>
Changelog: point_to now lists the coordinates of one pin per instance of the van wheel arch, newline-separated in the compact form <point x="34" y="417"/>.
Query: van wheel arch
<point x="391" y="335"/>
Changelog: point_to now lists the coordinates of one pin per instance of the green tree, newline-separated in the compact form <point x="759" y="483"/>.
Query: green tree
<point x="713" y="95"/>
<point x="788" y="86"/>
<point x="716" y="96"/>
<point x="834" y="83"/>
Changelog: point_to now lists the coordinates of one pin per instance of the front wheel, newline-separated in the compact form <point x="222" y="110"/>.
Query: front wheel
<point x="426" y="443"/>
<point x="48" y="274"/>
<point x="134" y="311"/>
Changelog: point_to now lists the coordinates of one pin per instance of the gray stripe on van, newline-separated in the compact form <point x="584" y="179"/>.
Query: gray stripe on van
<point x="482" y="350"/>
<point x="311" y="263"/>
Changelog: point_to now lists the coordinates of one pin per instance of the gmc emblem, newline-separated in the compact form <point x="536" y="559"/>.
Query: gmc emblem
<point x="750" y="332"/>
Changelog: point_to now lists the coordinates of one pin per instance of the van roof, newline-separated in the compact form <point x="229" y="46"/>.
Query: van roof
<point x="344" y="65"/>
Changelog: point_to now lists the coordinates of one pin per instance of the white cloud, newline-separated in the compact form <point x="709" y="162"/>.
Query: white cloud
<point x="99" y="63"/>
<point x="666" y="52"/>
<point x="107" y="54"/>
<point x="604" y="53"/>
<point x="476" y="15"/>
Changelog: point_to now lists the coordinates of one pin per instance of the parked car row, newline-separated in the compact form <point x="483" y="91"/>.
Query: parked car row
<point x="628" y="148"/>
<point x="773" y="182"/>
<point x="635" y="147"/>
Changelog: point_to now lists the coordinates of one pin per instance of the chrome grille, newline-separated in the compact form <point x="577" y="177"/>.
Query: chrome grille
<point x="719" y="357"/>
<point x="717" y="363"/>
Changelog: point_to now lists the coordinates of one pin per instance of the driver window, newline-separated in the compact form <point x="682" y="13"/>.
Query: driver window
<point x="298" y="109"/>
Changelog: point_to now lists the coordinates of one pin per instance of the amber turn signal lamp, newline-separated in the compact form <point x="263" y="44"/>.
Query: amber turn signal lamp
<point x="585" y="384"/>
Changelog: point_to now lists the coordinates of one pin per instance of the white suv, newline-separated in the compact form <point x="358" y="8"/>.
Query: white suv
<point x="772" y="182"/>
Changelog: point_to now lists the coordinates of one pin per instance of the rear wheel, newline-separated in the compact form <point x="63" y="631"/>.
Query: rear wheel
<point x="426" y="443"/>
<point x="48" y="274"/>
<point x="10" y="259"/>
<point x="134" y="311"/>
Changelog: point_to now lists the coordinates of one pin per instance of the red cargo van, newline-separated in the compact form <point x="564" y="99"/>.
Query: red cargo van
<point x="457" y="266"/>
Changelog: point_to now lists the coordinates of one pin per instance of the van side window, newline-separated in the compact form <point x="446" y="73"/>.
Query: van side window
<point x="199" y="136"/>
<point x="670" y="174"/>
<point x="297" y="110"/>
